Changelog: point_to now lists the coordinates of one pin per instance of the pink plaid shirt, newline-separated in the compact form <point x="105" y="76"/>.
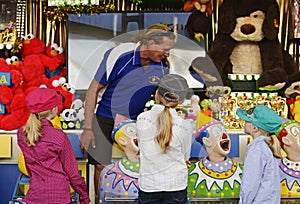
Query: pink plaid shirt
<point x="52" y="168"/>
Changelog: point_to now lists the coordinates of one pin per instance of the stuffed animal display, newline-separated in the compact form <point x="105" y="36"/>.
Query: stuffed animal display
<point x="247" y="43"/>
<point x="20" y="76"/>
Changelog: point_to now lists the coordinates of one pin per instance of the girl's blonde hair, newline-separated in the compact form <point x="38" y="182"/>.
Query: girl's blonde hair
<point x="32" y="128"/>
<point x="274" y="145"/>
<point x="164" y="122"/>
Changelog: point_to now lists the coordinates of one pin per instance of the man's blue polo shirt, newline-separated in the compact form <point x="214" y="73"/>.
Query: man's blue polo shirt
<point x="128" y="85"/>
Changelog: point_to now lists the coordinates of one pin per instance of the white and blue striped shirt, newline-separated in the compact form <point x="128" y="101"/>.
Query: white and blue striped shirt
<point x="260" y="179"/>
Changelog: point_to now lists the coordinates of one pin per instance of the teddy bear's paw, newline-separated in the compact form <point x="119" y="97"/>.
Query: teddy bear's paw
<point x="275" y="87"/>
<point x="272" y="79"/>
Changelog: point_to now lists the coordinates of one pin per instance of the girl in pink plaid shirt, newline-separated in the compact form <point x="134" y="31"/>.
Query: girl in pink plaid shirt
<point x="49" y="157"/>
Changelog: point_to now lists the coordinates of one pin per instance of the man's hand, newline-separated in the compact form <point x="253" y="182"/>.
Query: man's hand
<point x="87" y="139"/>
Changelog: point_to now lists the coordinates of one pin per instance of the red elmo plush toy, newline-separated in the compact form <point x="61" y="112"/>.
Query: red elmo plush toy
<point x="14" y="63"/>
<point x="60" y="85"/>
<point x="18" y="114"/>
<point x="55" y="52"/>
<point x="13" y="112"/>
<point x="35" y="62"/>
<point x="5" y="92"/>
<point x="34" y="49"/>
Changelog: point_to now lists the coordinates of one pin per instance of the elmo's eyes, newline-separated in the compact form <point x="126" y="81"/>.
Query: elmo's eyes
<point x="60" y="50"/>
<point x="14" y="58"/>
<point x="54" y="46"/>
<point x="30" y="37"/>
<point x="8" y="61"/>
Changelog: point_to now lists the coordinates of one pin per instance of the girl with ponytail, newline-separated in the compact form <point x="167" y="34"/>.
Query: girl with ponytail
<point x="49" y="157"/>
<point x="165" y="140"/>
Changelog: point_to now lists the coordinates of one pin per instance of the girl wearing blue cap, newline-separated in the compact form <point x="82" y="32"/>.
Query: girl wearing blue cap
<point x="165" y="140"/>
<point x="261" y="180"/>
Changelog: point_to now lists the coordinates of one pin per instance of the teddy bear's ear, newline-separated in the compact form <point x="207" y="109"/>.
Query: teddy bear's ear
<point x="271" y="23"/>
<point x="227" y="18"/>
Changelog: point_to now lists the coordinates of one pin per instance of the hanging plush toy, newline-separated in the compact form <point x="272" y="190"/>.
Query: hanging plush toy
<point x="33" y="53"/>
<point x="198" y="23"/>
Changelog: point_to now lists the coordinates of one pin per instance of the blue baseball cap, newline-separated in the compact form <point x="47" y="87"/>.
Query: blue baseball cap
<point x="262" y="117"/>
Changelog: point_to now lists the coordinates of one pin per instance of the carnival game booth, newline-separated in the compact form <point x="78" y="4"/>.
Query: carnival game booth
<point x="87" y="38"/>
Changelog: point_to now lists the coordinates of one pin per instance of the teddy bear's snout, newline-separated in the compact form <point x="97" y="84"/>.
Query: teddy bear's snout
<point x="247" y="29"/>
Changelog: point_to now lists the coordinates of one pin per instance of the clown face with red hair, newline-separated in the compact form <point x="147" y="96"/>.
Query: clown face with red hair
<point x="289" y="136"/>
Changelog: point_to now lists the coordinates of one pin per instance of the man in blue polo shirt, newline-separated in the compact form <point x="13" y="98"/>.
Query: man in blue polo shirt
<point x="126" y="78"/>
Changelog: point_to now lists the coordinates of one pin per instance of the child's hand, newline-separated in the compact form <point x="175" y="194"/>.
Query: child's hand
<point x="188" y="164"/>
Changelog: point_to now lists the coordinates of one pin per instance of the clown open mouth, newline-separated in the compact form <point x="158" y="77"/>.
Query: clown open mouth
<point x="135" y="141"/>
<point x="225" y="145"/>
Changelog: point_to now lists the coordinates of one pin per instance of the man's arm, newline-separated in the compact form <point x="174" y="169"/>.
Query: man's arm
<point x="87" y="136"/>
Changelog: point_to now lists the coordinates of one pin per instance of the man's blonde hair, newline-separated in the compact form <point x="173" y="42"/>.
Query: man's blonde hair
<point x="155" y="32"/>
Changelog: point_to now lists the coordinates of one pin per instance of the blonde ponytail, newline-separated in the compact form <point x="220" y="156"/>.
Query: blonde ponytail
<point x="164" y="126"/>
<point x="274" y="145"/>
<point x="32" y="128"/>
<point x="164" y="122"/>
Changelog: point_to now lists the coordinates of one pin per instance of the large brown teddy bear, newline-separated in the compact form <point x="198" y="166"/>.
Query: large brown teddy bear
<point x="247" y="43"/>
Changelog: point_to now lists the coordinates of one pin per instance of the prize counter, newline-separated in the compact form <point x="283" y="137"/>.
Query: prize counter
<point x="10" y="172"/>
